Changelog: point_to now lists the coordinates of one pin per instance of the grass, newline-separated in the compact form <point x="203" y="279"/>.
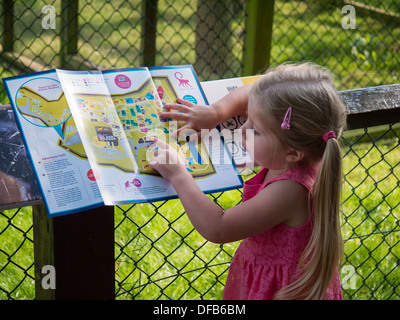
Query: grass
<point x="312" y="31"/>
<point x="16" y="254"/>
<point x="160" y="256"/>
<point x="371" y="201"/>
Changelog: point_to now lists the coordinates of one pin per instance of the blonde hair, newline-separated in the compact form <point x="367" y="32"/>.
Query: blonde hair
<point x="316" y="109"/>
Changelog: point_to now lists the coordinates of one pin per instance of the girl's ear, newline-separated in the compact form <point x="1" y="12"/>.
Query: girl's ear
<point x="293" y="155"/>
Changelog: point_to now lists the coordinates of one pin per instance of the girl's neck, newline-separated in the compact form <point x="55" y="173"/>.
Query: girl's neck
<point x="271" y="174"/>
<point x="274" y="173"/>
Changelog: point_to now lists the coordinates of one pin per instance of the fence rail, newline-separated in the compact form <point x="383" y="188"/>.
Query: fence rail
<point x="155" y="253"/>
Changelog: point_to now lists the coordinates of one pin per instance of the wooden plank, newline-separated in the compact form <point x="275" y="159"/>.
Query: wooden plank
<point x="374" y="118"/>
<point x="372" y="106"/>
<point x="80" y="247"/>
<point x="43" y="250"/>
<point x="369" y="99"/>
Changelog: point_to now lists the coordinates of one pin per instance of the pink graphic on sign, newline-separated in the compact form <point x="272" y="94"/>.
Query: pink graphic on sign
<point x="92" y="175"/>
<point x="182" y="82"/>
<point x="122" y="81"/>
<point x="136" y="182"/>
<point x="160" y="92"/>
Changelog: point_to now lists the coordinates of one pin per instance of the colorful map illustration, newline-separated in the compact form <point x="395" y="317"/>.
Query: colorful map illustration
<point x="139" y="113"/>
<point x="45" y="107"/>
<point x="103" y="130"/>
<point x="136" y="112"/>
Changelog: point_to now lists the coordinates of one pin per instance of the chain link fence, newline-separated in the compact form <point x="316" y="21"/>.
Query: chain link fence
<point x="158" y="254"/>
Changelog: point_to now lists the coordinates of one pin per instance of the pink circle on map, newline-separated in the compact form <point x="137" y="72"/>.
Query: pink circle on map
<point x="92" y="175"/>
<point x="122" y="81"/>
<point x="136" y="182"/>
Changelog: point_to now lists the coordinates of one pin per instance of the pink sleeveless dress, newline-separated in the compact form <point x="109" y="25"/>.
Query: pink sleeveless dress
<point x="266" y="262"/>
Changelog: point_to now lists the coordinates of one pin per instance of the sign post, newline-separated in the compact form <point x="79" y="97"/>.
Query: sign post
<point x="74" y="255"/>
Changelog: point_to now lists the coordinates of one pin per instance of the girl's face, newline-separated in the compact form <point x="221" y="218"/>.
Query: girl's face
<point x="265" y="150"/>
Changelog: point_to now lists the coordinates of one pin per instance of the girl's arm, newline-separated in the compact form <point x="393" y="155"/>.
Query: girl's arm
<point x="281" y="201"/>
<point x="199" y="117"/>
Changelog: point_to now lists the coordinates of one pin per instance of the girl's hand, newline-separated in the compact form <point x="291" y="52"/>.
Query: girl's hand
<point x="196" y="117"/>
<point x="168" y="162"/>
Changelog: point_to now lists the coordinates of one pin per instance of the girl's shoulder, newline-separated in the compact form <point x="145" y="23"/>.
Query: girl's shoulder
<point x="303" y="175"/>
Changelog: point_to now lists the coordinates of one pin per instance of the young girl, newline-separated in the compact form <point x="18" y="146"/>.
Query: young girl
<point x="289" y="216"/>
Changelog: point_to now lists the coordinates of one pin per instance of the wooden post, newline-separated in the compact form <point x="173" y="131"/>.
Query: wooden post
<point x="80" y="247"/>
<point x="8" y="25"/>
<point x="149" y="32"/>
<point x="69" y="30"/>
<point x="257" y="46"/>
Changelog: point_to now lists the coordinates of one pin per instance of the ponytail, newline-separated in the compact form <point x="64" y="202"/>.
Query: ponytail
<point x="323" y="254"/>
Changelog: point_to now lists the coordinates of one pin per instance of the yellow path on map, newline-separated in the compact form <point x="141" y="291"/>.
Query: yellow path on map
<point x="138" y="111"/>
<point x="48" y="112"/>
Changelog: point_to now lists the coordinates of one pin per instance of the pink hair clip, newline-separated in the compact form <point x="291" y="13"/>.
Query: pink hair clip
<point x="286" y="121"/>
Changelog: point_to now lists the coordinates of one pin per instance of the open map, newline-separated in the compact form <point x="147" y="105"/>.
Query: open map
<point x="89" y="135"/>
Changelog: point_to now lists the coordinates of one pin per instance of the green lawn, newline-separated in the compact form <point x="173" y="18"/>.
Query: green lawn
<point x="371" y="201"/>
<point x="361" y="57"/>
<point x="160" y="256"/>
